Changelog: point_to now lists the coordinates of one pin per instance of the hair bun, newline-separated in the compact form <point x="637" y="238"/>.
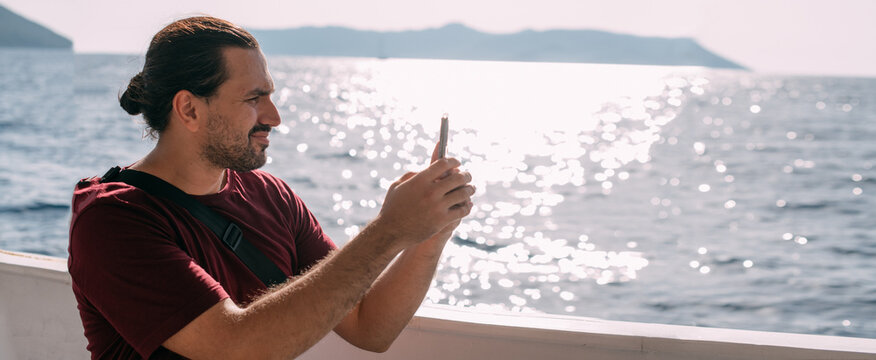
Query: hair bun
<point x="132" y="99"/>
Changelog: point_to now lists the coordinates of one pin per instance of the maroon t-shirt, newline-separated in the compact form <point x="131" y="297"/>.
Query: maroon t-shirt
<point x="134" y="284"/>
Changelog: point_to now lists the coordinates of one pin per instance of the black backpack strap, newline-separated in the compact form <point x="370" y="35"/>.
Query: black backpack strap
<point x="226" y="230"/>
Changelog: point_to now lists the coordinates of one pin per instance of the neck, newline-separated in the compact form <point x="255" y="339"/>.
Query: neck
<point x="183" y="168"/>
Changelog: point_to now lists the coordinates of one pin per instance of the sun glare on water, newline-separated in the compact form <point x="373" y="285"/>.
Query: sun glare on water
<point x="532" y="135"/>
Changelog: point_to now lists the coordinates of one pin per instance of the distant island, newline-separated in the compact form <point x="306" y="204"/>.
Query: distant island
<point x="16" y="31"/>
<point x="457" y="41"/>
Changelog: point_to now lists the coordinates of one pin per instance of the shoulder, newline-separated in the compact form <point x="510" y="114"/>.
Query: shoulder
<point x="116" y="210"/>
<point x="114" y="221"/>
<point x="91" y="193"/>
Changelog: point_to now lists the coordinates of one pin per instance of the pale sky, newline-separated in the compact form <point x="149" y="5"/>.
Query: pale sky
<point x="812" y="37"/>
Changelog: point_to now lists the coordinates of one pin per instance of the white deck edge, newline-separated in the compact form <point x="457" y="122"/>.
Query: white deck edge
<point x="563" y="331"/>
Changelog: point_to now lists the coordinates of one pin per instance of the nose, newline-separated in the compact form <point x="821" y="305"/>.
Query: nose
<point x="268" y="114"/>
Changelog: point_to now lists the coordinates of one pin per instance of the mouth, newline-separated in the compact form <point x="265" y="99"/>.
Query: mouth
<point x="260" y="133"/>
<point x="260" y="137"/>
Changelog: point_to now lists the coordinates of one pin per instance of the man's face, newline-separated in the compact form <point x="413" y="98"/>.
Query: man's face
<point x="241" y="113"/>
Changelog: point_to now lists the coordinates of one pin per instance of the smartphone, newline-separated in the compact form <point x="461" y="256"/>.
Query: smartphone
<point x="442" y="138"/>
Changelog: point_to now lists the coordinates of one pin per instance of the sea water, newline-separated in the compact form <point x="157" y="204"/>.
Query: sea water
<point x="675" y="195"/>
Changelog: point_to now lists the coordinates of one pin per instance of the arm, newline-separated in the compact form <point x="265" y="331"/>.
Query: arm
<point x="288" y="321"/>
<point x="397" y="294"/>
<point x="394" y="298"/>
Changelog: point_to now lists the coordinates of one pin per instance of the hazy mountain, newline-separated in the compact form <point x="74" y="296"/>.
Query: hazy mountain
<point x="16" y="31"/>
<point x="456" y="41"/>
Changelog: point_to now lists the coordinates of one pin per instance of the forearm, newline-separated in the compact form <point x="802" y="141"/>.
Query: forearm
<point x="394" y="298"/>
<point x="326" y="294"/>
<point x="287" y="321"/>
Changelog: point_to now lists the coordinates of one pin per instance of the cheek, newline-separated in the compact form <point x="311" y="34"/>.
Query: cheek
<point x="250" y="116"/>
<point x="244" y="118"/>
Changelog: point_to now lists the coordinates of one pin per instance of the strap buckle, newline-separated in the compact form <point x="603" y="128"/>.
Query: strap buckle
<point x="232" y="236"/>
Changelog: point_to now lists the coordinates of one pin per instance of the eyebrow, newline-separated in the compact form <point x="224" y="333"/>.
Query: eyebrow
<point x="260" y="92"/>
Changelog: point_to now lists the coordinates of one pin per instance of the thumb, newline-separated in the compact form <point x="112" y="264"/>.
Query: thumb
<point x="434" y="154"/>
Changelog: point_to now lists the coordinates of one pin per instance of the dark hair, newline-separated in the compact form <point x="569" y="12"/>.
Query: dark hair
<point x="185" y="55"/>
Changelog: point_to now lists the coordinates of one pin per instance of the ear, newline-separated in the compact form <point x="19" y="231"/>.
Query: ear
<point x="189" y="110"/>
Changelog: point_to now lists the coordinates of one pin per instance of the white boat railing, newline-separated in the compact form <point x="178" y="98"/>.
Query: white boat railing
<point x="39" y="320"/>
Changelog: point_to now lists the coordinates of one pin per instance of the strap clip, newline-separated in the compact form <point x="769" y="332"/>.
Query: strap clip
<point x="232" y="236"/>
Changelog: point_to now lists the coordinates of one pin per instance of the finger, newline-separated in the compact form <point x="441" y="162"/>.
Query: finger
<point x="461" y="195"/>
<point x="435" y="158"/>
<point x="452" y="181"/>
<point x="434" y="154"/>
<point x="447" y="173"/>
<point x="459" y="212"/>
<point x="438" y="168"/>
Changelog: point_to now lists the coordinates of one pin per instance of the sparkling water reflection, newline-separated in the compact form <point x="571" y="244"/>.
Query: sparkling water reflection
<point x="522" y="157"/>
<point x="592" y="176"/>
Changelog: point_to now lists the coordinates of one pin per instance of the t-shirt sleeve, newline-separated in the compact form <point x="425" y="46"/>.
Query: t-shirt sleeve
<point x="312" y="244"/>
<point x="126" y="264"/>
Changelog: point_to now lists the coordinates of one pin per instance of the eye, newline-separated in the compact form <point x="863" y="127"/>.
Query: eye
<point x="253" y="99"/>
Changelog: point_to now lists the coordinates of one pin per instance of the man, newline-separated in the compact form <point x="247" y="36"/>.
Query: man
<point x="152" y="281"/>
